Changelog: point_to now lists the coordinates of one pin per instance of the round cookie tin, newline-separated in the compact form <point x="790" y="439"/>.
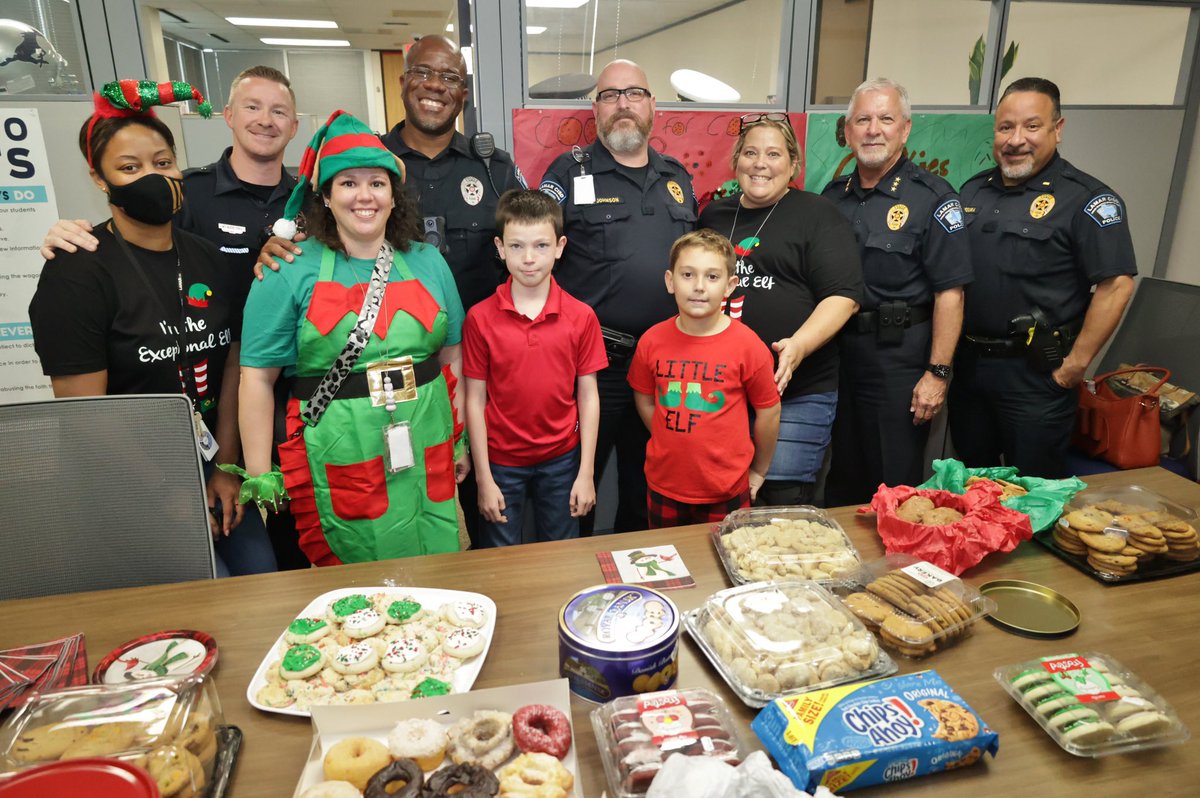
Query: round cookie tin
<point x="1029" y="609"/>
<point x="618" y="640"/>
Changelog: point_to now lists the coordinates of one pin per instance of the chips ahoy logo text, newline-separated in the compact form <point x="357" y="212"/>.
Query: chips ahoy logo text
<point x="886" y="722"/>
<point x="900" y="770"/>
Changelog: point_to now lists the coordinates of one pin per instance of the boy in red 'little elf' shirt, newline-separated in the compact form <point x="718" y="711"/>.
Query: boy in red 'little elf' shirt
<point x="692" y="377"/>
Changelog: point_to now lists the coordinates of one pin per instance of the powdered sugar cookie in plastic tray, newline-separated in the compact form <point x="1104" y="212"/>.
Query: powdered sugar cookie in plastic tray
<point x="766" y="543"/>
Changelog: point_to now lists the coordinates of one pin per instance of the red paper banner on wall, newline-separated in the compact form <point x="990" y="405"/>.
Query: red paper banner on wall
<point x="701" y="140"/>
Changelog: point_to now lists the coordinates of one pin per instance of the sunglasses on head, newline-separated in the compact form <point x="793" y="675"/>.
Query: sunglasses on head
<point x="747" y="120"/>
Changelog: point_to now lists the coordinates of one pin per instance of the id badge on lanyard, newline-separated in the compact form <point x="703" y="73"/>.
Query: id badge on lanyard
<point x="204" y="438"/>
<point x="397" y="444"/>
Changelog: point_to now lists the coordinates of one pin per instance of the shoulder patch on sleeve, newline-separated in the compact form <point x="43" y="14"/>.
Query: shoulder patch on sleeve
<point x="520" y="177"/>
<point x="553" y="190"/>
<point x="1105" y="209"/>
<point x="950" y="215"/>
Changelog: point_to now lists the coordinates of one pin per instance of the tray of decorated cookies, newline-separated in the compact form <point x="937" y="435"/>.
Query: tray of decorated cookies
<point x="1091" y="704"/>
<point x="916" y="607"/>
<point x="1125" y="534"/>
<point x="375" y="645"/>
<point x="770" y="639"/>
<point x="172" y="728"/>
<point x="513" y="740"/>
<point x="800" y="542"/>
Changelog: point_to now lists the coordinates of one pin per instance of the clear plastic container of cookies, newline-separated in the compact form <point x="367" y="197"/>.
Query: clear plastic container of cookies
<point x="761" y="544"/>
<point x="636" y="734"/>
<point x="915" y="607"/>
<point x="1126" y="533"/>
<point x="170" y="727"/>
<point x="770" y="639"/>
<point x="1091" y="704"/>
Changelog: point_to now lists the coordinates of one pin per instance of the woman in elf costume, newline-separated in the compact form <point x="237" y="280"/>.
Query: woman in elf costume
<point x="369" y="322"/>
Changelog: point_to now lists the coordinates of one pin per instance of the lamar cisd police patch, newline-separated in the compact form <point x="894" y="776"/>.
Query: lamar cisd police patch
<point x="553" y="190"/>
<point x="1105" y="210"/>
<point x="950" y="215"/>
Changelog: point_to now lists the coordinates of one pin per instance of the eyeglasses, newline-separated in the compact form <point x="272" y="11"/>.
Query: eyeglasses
<point x="452" y="80"/>
<point x="635" y="94"/>
<point x="770" y="116"/>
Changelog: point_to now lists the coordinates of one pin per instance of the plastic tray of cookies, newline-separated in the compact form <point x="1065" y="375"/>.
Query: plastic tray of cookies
<point x="375" y="645"/>
<point x="797" y="542"/>
<point x="636" y="734"/>
<point x="916" y="607"/>
<point x="1091" y="704"/>
<point x="1125" y="534"/>
<point x="770" y="639"/>
<point x="170" y="727"/>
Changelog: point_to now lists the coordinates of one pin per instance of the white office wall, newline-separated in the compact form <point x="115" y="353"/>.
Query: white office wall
<point x="1183" y="263"/>
<point x="925" y="45"/>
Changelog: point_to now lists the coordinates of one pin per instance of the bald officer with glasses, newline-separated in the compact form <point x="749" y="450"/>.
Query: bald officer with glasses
<point x="624" y="204"/>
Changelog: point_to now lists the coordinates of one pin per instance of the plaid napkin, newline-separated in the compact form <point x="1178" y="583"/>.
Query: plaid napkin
<point x="39" y="667"/>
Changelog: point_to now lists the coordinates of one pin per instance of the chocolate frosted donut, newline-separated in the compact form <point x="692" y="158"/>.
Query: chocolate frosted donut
<point x="405" y="770"/>
<point x="479" y="782"/>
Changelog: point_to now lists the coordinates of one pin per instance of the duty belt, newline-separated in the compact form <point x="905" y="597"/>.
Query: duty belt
<point x="1013" y="346"/>
<point x="868" y="320"/>
<point x="405" y="376"/>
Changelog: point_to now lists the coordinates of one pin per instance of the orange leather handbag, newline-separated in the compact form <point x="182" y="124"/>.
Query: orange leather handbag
<point x="1122" y="430"/>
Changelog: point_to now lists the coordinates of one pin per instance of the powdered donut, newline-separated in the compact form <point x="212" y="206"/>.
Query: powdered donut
<point x="332" y="789"/>
<point x="421" y="740"/>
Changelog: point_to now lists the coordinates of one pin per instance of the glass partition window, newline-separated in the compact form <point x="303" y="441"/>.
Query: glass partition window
<point x="712" y="51"/>
<point x="40" y="50"/>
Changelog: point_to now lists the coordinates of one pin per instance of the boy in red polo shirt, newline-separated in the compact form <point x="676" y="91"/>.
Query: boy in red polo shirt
<point x="530" y="356"/>
<point x="693" y="377"/>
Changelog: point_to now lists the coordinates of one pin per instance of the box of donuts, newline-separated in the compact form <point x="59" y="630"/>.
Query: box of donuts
<point x="769" y="639"/>
<point x="799" y="542"/>
<point x="914" y="606"/>
<point x="512" y="740"/>
<point x="173" y="728"/>
<point x="1125" y="534"/>
<point x="1091" y="704"/>
<point x="636" y="734"/>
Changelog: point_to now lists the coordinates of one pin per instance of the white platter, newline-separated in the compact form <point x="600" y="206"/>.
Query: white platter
<point x="464" y="677"/>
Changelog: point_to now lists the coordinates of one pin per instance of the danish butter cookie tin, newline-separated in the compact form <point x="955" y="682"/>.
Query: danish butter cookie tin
<point x="618" y="640"/>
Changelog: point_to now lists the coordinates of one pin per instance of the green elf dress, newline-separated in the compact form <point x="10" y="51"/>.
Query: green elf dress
<point x="348" y="506"/>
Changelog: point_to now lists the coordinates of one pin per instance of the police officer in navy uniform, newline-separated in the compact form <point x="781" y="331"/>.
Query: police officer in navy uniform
<point x="896" y="352"/>
<point x="1054" y="268"/>
<point x="457" y="189"/>
<point x="233" y="203"/>
<point x="624" y="204"/>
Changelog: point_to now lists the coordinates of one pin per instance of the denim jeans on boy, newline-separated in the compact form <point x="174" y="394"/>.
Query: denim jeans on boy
<point x="547" y="486"/>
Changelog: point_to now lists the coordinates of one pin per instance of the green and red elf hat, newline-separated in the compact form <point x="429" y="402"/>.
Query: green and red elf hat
<point x="343" y="142"/>
<point x="138" y="97"/>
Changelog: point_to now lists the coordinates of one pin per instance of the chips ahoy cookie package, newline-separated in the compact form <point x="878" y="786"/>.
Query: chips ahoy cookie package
<point x="873" y="732"/>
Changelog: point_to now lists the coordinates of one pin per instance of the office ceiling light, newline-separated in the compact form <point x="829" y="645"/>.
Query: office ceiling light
<point x="306" y="42"/>
<point x="449" y="27"/>
<point x="534" y="30"/>
<point x="266" y="22"/>
<point x="555" y="3"/>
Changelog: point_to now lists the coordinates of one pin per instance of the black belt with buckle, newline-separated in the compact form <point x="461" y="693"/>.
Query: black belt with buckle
<point x="357" y="385"/>
<point x="868" y="320"/>
<point x="995" y="347"/>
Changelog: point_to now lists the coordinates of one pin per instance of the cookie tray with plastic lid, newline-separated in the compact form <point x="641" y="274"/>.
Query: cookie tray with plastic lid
<point x="1126" y="515"/>
<point x="760" y="544"/>
<point x="916" y="608"/>
<point x="1091" y="704"/>
<point x="772" y="639"/>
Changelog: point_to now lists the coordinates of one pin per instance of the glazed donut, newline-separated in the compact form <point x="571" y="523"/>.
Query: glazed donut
<point x="478" y="782"/>
<point x="332" y="789"/>
<point x="485" y="739"/>
<point x="356" y="760"/>
<point x="535" y="776"/>
<point x="542" y="728"/>
<point x="404" y="770"/>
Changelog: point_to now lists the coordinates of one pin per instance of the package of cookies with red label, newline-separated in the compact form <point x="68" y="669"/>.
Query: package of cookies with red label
<point x="1091" y="704"/>
<point x="859" y="735"/>
<point x="636" y="734"/>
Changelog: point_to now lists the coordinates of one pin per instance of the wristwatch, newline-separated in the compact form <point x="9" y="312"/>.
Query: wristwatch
<point x="939" y="370"/>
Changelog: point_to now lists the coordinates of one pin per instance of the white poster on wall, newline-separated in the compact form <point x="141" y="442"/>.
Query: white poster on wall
<point x="27" y="210"/>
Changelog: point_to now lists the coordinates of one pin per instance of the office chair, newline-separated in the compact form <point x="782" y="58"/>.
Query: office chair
<point x="99" y="493"/>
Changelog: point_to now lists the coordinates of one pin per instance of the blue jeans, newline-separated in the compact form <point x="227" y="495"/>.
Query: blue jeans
<point x="805" y="427"/>
<point x="549" y="485"/>
<point x="248" y="548"/>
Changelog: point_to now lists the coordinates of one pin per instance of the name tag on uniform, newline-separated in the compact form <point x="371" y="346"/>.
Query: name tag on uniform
<point x="232" y="229"/>
<point x="585" y="190"/>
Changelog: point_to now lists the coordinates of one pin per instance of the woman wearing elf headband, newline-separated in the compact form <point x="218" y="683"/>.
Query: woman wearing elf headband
<point x="369" y="321"/>
<point x="152" y="310"/>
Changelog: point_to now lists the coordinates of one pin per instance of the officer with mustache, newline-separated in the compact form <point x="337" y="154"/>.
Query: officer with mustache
<point x="624" y="204"/>
<point x="1054" y="267"/>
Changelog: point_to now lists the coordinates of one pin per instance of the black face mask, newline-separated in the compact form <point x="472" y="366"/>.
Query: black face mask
<point x="151" y="199"/>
